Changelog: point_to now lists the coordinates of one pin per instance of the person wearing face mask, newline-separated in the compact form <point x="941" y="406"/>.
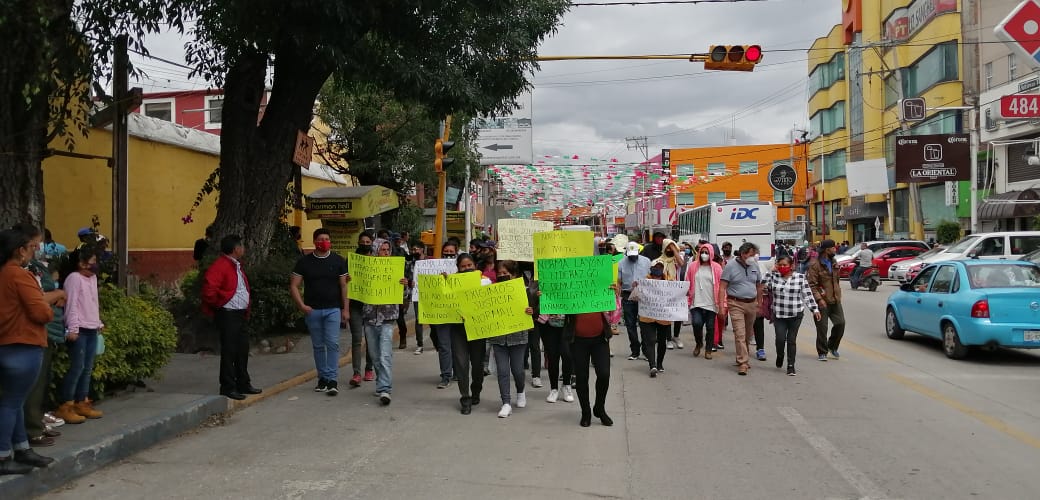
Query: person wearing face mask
<point x="825" y="281"/>
<point x="791" y="296"/>
<point x="634" y="267"/>
<point x="366" y="240"/>
<point x="704" y="275"/>
<point x="82" y="325"/>
<point x="654" y="250"/>
<point x="468" y="354"/>
<point x="510" y="349"/>
<point x="324" y="304"/>
<point x="441" y="334"/>
<point x="379" y="333"/>
<point x="674" y="270"/>
<point x="740" y="290"/>
<point x="418" y="253"/>
<point x="654" y="332"/>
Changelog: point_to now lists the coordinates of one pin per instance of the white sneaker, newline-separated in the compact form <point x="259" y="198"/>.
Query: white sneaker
<point x="554" y="395"/>
<point x="418" y="351"/>
<point x="505" y="411"/>
<point x="536" y="382"/>
<point x="521" y="400"/>
<point x="670" y="345"/>
<point x="678" y="344"/>
<point x="568" y="394"/>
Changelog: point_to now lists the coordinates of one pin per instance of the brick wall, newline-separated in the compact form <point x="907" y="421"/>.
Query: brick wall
<point x="161" y="266"/>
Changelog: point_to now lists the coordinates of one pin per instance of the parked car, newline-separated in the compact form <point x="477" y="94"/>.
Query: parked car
<point x="969" y="303"/>
<point x="883" y="259"/>
<point x="900" y="271"/>
<point x="876" y="246"/>
<point x="1033" y="256"/>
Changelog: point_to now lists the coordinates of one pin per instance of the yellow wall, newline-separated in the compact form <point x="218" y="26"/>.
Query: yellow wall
<point x="822" y="52"/>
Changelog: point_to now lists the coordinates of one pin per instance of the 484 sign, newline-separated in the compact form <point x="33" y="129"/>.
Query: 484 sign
<point x="1020" y="106"/>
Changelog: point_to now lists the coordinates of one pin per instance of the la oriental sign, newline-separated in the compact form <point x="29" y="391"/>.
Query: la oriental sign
<point x="933" y="158"/>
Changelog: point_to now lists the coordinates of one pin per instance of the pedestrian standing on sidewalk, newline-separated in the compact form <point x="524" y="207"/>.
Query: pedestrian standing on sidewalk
<point x="825" y="282"/>
<point x="356" y="321"/>
<point x="441" y="334"/>
<point x="632" y="268"/>
<point x="379" y="336"/>
<point x="23" y="315"/>
<point x="791" y="296"/>
<point x="510" y="350"/>
<point x="655" y="332"/>
<point x="739" y="293"/>
<point x="82" y="326"/>
<point x="418" y="253"/>
<point x="704" y="276"/>
<point x="468" y="354"/>
<point x="323" y="274"/>
<point x="588" y="335"/>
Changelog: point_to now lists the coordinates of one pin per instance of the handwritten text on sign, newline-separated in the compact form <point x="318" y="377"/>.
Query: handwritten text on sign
<point x="516" y="238"/>
<point x="439" y="298"/>
<point x="376" y="280"/>
<point x="431" y="266"/>
<point x="663" y="300"/>
<point x="559" y="244"/>
<point x="496" y="310"/>
<point x="576" y="285"/>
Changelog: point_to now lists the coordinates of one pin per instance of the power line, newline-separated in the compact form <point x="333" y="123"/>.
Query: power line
<point x="655" y="2"/>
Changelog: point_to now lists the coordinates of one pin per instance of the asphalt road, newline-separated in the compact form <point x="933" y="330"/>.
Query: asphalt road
<point x="891" y="419"/>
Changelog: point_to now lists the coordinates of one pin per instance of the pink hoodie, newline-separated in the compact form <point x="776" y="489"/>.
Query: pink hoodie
<point x="695" y="264"/>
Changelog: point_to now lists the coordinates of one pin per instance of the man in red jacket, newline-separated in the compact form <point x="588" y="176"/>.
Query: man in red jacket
<point x="225" y="296"/>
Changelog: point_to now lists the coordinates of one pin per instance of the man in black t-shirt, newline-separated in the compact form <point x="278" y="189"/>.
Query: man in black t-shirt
<point x="323" y="274"/>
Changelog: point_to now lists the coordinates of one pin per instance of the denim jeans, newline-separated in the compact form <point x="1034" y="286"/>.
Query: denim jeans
<point x="703" y="321"/>
<point x="19" y="368"/>
<point x="82" y="351"/>
<point x="324" y="327"/>
<point x="630" y="310"/>
<point x="38" y="396"/>
<point x="357" y="334"/>
<point x="380" y="339"/>
<point x="509" y="359"/>
<point x="444" y="351"/>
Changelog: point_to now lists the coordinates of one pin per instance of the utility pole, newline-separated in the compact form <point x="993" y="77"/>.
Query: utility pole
<point x="120" y="139"/>
<point x="640" y="144"/>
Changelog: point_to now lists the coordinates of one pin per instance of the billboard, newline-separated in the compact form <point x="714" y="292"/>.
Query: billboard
<point x="933" y="158"/>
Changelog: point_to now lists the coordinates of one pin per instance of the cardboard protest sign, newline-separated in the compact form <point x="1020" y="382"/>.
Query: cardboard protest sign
<point x="516" y="238"/>
<point x="576" y="285"/>
<point x="439" y="298"/>
<point x="495" y="310"/>
<point x="376" y="280"/>
<point x="663" y="300"/>
<point x="560" y="244"/>
<point x="431" y="266"/>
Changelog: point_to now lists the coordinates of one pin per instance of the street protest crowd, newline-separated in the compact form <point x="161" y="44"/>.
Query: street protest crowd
<point x="536" y="296"/>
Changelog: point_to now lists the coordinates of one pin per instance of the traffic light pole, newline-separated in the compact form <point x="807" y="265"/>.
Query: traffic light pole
<point x="442" y="188"/>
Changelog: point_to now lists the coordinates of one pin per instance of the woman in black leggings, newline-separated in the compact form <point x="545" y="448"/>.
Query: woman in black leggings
<point x="468" y="354"/>
<point x="588" y="335"/>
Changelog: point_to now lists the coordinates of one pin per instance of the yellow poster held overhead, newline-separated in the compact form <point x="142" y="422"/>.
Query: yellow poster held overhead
<point x="439" y="296"/>
<point x="560" y="244"/>
<point x="495" y="310"/>
<point x="376" y="280"/>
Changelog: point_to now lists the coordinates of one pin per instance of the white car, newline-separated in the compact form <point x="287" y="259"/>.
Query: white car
<point x="899" y="271"/>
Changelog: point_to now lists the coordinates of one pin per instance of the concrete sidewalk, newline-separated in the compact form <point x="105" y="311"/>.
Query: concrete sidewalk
<point x="182" y="399"/>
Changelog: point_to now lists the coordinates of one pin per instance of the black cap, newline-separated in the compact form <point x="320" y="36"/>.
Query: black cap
<point x="825" y="244"/>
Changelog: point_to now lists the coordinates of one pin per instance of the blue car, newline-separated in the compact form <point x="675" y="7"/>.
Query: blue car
<point x="970" y="303"/>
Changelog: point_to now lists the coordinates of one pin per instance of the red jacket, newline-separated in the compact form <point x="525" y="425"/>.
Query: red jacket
<point x="219" y="285"/>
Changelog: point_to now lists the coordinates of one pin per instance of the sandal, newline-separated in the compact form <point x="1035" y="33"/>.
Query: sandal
<point x="41" y="441"/>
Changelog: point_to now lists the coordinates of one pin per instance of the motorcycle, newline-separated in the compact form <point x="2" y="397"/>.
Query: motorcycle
<point x="869" y="279"/>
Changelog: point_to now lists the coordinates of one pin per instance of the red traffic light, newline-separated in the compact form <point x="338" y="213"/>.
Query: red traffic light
<point x="753" y="54"/>
<point x="732" y="57"/>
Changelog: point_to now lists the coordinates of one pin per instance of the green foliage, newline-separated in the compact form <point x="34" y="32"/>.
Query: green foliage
<point x="408" y="218"/>
<point x="140" y="337"/>
<point x="947" y="232"/>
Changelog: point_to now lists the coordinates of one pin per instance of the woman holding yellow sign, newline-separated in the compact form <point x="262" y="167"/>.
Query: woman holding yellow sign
<point x="510" y="349"/>
<point x="468" y="354"/>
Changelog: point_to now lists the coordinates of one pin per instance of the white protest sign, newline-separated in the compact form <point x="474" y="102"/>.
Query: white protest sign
<point x="516" y="238"/>
<point x="431" y="266"/>
<point x="663" y="300"/>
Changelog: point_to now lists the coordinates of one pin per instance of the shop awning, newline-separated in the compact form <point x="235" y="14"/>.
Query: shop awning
<point x="357" y="202"/>
<point x="1010" y="205"/>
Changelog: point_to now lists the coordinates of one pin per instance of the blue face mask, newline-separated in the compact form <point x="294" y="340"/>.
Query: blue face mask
<point x="689" y="252"/>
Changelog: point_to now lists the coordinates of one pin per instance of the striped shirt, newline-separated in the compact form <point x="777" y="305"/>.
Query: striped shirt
<point x="791" y="295"/>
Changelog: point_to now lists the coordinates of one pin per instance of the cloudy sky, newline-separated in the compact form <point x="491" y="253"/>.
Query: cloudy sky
<point x="588" y="108"/>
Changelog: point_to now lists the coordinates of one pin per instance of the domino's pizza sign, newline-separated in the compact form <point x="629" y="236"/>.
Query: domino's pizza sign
<point x="1020" y="30"/>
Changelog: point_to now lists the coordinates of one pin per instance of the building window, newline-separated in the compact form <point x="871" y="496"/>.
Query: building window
<point x="1012" y="67"/>
<point x="748" y="167"/>
<point x="684" y="170"/>
<point x="826" y="121"/>
<point x="901" y="210"/>
<point x="214" y="111"/>
<point x="749" y="196"/>
<point x="939" y="65"/>
<point x="716" y="197"/>
<point x="827" y="74"/>
<point x="685" y="199"/>
<point x="991" y="124"/>
<point x="834" y="164"/>
<point x="716" y="169"/>
<point x="989" y="75"/>
<point x="162" y="110"/>
<point x="783" y="196"/>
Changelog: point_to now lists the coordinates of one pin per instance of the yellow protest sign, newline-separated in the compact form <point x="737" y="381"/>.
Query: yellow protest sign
<point x="515" y="238"/>
<point x="559" y="244"/>
<point x="495" y="310"/>
<point x="376" y="280"/>
<point x="439" y="296"/>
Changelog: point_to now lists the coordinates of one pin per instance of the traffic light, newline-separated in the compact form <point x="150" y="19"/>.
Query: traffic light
<point x="440" y="148"/>
<point x="733" y="57"/>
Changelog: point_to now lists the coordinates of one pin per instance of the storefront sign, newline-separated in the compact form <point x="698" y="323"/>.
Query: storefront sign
<point x="903" y="23"/>
<point x="350" y="203"/>
<point x="933" y="158"/>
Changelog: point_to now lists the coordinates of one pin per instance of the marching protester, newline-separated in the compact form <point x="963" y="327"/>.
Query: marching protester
<point x="418" y="253"/>
<point x="674" y="266"/>
<point x="727" y="252"/>
<point x="655" y="249"/>
<point x="739" y="293"/>
<point x="468" y="354"/>
<point x="704" y="276"/>
<point x="82" y="326"/>
<point x="379" y="335"/>
<point x="588" y="335"/>
<point x="323" y="274"/>
<point x="226" y="297"/>
<point x="632" y="268"/>
<point x="24" y="314"/>
<point x="557" y="351"/>
<point x="825" y="281"/>
<point x="442" y="333"/>
<point x="654" y="332"/>
<point x="357" y="323"/>
<point x="510" y="349"/>
<point x="791" y="296"/>
<point x="402" y="324"/>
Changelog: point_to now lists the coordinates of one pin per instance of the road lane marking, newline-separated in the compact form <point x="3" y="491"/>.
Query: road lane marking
<point x="856" y="478"/>
<point x="868" y="352"/>
<point x="990" y="421"/>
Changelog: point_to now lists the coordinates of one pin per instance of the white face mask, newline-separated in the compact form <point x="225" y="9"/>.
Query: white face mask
<point x="704" y="257"/>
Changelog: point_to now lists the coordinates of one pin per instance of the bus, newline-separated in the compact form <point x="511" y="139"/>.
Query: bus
<point x="735" y="221"/>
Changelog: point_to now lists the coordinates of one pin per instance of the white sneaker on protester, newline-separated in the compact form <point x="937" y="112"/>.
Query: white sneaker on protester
<point x="521" y="400"/>
<point x="678" y="344"/>
<point x="536" y="382"/>
<point x="418" y="350"/>
<point x="568" y="394"/>
<point x="554" y="396"/>
<point x="670" y="345"/>
<point x="505" y="411"/>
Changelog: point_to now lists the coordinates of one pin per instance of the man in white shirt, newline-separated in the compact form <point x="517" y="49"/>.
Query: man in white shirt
<point x="864" y="258"/>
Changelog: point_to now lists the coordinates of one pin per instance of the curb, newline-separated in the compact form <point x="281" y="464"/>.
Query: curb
<point x="80" y="461"/>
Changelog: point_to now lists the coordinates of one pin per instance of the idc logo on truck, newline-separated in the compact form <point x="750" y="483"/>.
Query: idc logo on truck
<point x="743" y="214"/>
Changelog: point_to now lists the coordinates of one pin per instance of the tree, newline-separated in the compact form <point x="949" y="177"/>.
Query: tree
<point x="59" y="49"/>
<point x="469" y="56"/>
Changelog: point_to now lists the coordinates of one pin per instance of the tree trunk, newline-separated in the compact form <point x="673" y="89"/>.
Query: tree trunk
<point x="256" y="159"/>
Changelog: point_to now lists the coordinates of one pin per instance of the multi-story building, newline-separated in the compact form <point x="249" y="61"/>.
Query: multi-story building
<point x="1009" y="178"/>
<point x="882" y="52"/>
<point x="196" y="109"/>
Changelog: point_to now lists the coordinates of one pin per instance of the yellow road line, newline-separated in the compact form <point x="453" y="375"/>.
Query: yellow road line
<point x="868" y="352"/>
<point x="990" y="421"/>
